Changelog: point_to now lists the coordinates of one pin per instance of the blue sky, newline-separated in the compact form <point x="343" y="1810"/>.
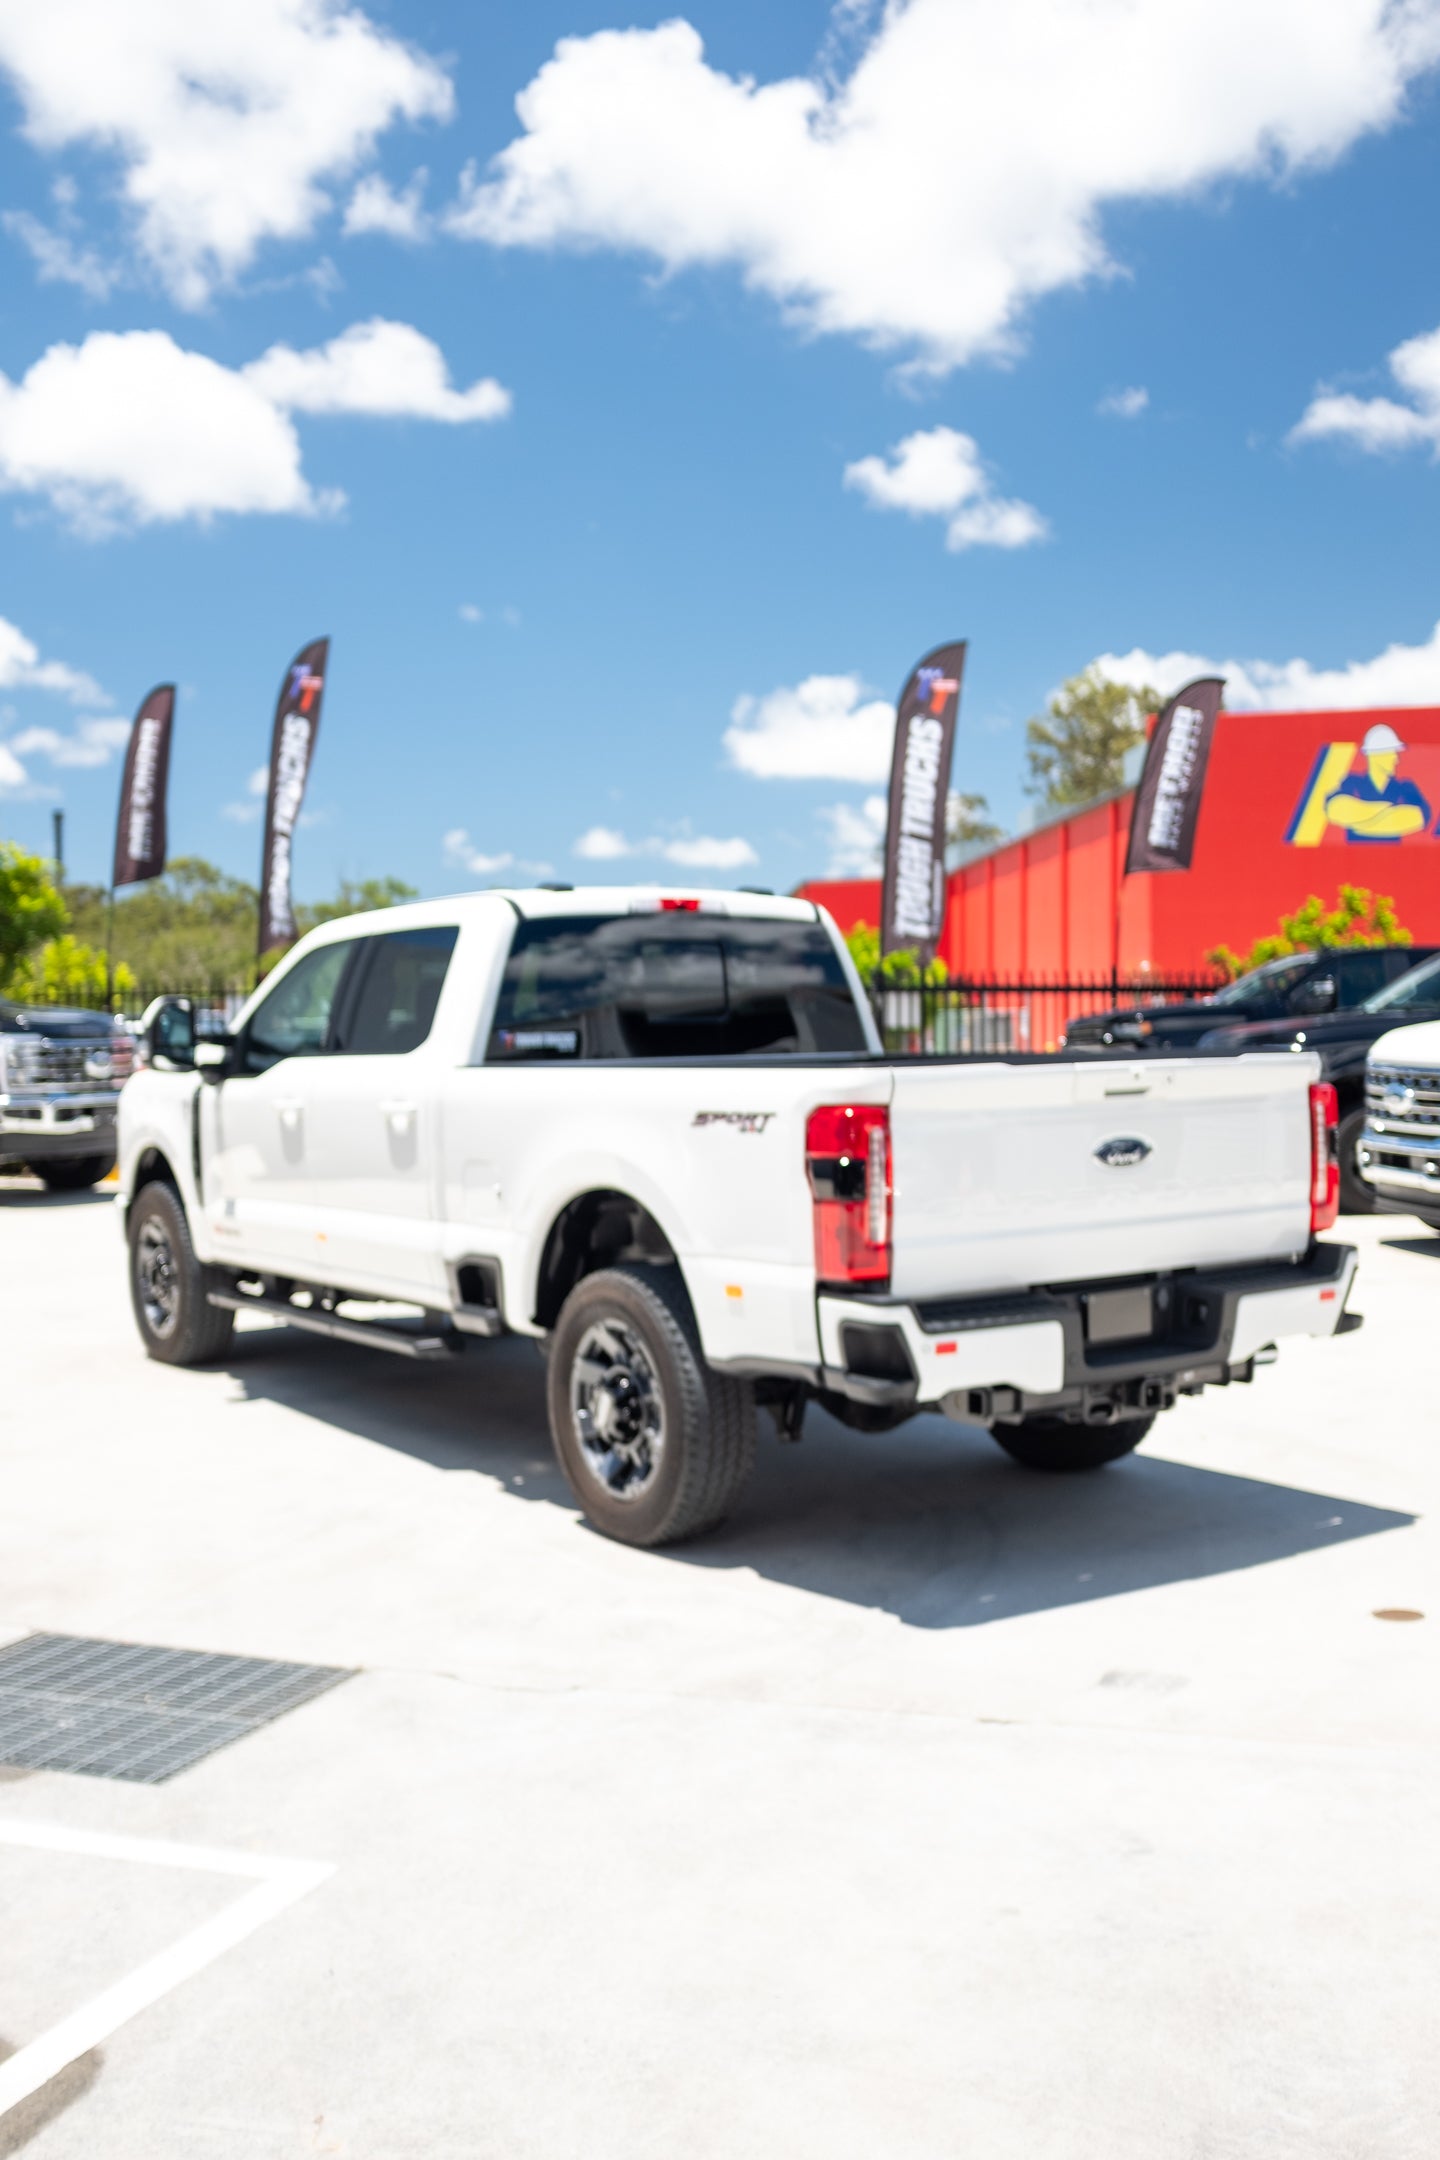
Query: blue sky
<point x="630" y="445"/>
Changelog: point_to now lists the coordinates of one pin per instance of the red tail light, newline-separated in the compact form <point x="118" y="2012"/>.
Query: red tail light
<point x="847" y="1160"/>
<point x="679" y="907"/>
<point x="1324" y="1156"/>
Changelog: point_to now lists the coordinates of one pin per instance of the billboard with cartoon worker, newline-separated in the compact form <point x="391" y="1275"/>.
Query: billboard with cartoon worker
<point x="1380" y="791"/>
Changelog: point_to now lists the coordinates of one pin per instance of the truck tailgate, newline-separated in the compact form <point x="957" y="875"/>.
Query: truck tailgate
<point x="1011" y="1175"/>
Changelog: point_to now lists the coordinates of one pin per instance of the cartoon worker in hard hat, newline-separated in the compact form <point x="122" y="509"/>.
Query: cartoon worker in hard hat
<point x="1375" y="804"/>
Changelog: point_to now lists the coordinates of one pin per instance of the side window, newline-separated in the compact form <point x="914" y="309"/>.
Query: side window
<point x="294" y="1020"/>
<point x="398" y="978"/>
<point x="1358" y="975"/>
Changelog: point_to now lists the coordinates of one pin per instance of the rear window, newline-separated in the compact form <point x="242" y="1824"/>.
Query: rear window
<point x="647" y="986"/>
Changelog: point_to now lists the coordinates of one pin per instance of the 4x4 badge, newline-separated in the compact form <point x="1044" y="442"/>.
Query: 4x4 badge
<point x="1120" y="1153"/>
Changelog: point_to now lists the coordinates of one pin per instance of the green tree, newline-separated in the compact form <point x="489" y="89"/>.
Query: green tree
<point x="1076" y="749"/>
<point x="31" y="910"/>
<point x="899" y="970"/>
<point x="64" y="972"/>
<point x="356" y="897"/>
<point x="967" y="822"/>
<point x="1359" y="917"/>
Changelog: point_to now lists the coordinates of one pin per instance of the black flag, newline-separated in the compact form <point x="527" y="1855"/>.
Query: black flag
<point x="292" y="745"/>
<point x="912" y="912"/>
<point x="1172" y="780"/>
<point x="140" y="826"/>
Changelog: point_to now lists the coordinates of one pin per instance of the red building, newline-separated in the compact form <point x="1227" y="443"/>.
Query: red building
<point x="1056" y="902"/>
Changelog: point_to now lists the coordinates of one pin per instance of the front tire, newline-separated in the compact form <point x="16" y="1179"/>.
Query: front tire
<point x="168" y="1284"/>
<point x="74" y="1173"/>
<point x="654" y="1445"/>
<point x="1053" y="1443"/>
<point x="1356" y="1198"/>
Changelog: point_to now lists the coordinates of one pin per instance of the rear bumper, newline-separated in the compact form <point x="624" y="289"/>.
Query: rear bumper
<point x="1032" y="1352"/>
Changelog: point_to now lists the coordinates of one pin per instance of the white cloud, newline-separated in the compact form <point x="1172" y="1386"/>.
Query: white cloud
<point x="823" y="728"/>
<point x="960" y="170"/>
<point x="857" y="837"/>
<point x="601" y="844"/>
<point x="939" y="473"/>
<point x="460" y="850"/>
<point x="385" y="369"/>
<point x="247" y="811"/>
<point x="226" y="119"/>
<point x="1400" y="675"/>
<point x="1380" y="423"/>
<point x="468" y="612"/>
<point x="687" y="852"/>
<point x="92" y="742"/>
<point x="13" y="775"/>
<point x="1124" y="404"/>
<point x="130" y="427"/>
<point x="376" y="208"/>
<point x="58" y="259"/>
<point x="21" y="668"/>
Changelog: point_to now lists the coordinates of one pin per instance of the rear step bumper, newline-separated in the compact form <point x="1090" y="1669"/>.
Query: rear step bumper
<point x="1052" y="1350"/>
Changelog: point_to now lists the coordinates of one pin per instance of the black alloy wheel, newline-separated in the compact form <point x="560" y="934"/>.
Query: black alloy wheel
<point x="168" y="1285"/>
<point x="1053" y="1443"/>
<point x="654" y="1445"/>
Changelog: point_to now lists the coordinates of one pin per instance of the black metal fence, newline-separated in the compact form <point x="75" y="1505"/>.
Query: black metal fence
<point x="980" y="1015"/>
<point x="973" y="1015"/>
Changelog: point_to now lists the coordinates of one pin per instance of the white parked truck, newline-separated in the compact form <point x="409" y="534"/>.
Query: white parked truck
<point x="1399" y="1153"/>
<point x="657" y="1132"/>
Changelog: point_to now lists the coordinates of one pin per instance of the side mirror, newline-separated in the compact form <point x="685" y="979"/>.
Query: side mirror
<point x="168" y="1034"/>
<point x="1315" y="996"/>
<point x="214" y="1061"/>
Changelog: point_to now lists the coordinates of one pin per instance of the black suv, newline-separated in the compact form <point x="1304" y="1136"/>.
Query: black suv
<point x="1296" y="988"/>
<point x="1342" y="1040"/>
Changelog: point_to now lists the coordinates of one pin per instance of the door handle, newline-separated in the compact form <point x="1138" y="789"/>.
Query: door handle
<point x="398" y="1114"/>
<point x="288" y="1111"/>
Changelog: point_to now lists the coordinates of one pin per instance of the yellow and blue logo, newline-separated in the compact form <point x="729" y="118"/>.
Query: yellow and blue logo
<point x="1358" y="792"/>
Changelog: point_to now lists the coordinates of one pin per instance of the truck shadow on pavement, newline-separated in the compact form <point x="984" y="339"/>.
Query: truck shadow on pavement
<point x="932" y="1523"/>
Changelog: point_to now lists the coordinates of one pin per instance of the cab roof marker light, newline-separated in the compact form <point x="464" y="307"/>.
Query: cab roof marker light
<point x="678" y="904"/>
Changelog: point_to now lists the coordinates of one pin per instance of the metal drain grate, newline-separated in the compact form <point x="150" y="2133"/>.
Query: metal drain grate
<point x="132" y="1711"/>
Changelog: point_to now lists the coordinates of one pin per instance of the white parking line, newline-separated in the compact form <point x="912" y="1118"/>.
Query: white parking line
<point x="278" y="1883"/>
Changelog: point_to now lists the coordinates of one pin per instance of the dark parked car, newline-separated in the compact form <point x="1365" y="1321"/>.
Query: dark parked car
<point x="1299" y="986"/>
<point x="1342" y="1039"/>
<point x="61" y="1071"/>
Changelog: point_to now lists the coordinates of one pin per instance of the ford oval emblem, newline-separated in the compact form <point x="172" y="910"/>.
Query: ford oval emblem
<point x="1120" y="1153"/>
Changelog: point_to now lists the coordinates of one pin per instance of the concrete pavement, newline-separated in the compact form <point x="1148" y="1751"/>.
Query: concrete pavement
<point x="931" y="1808"/>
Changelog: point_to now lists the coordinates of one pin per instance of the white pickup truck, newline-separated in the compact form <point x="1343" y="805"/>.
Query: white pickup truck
<point x="659" y="1134"/>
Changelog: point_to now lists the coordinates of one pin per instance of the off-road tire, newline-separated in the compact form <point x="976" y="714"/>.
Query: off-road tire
<point x="1356" y="1198"/>
<point x="194" y="1331"/>
<point x="73" y="1173"/>
<point x="709" y="1419"/>
<point x="1052" y="1443"/>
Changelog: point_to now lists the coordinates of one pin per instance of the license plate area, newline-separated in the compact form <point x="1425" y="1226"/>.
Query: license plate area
<point x="1113" y="1316"/>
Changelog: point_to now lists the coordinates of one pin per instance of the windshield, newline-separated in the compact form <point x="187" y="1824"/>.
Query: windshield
<point x="1270" y="981"/>
<point x="1420" y="987"/>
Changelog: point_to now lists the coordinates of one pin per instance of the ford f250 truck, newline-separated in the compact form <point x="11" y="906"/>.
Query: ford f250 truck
<point x="658" y="1133"/>
<point x="61" y="1072"/>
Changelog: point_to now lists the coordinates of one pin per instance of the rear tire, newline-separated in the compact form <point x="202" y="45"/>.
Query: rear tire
<point x="73" y="1173"/>
<point x="1053" y="1443"/>
<point x="1356" y="1198"/>
<point x="654" y="1445"/>
<point x="168" y="1284"/>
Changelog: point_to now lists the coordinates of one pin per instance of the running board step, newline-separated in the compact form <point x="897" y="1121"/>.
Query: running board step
<point x="374" y="1334"/>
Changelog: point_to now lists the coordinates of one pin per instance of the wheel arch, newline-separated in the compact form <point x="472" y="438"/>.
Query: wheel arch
<point x="595" y="1229"/>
